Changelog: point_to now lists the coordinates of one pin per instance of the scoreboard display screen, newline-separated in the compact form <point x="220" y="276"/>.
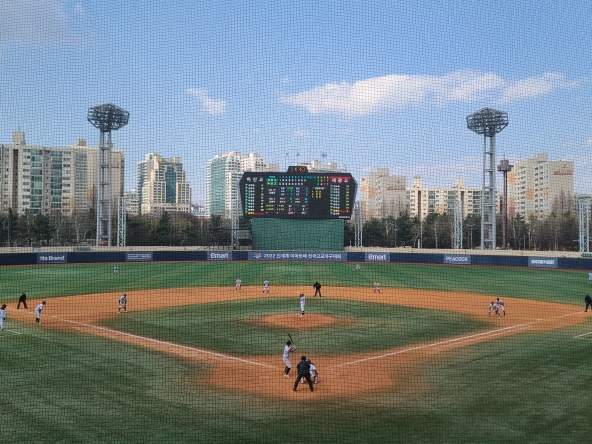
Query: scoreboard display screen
<point x="298" y="195"/>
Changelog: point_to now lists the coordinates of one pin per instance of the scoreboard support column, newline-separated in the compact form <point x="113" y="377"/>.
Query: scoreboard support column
<point x="298" y="234"/>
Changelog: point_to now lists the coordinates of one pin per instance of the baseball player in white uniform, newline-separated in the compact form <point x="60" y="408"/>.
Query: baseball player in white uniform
<point x="590" y="277"/>
<point x="501" y="305"/>
<point x="266" y="286"/>
<point x="376" y="287"/>
<point x="287" y="350"/>
<point x="238" y="284"/>
<point x="493" y="307"/>
<point x="122" y="303"/>
<point x="302" y="303"/>
<point x="2" y="316"/>
<point x="38" y="312"/>
<point x="116" y="270"/>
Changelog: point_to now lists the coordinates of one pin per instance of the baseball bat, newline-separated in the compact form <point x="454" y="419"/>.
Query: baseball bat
<point x="290" y="336"/>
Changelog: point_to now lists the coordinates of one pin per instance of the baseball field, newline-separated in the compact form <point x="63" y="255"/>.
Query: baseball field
<point x="194" y="360"/>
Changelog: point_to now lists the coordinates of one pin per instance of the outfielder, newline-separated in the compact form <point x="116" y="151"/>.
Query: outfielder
<point x="501" y="305"/>
<point x="590" y="277"/>
<point x="2" y="316"/>
<point x="122" y="304"/>
<point x="493" y="307"/>
<point x="238" y="284"/>
<point x="287" y="350"/>
<point x="302" y="303"/>
<point x="266" y="286"/>
<point x="38" y="312"/>
<point x="116" y="270"/>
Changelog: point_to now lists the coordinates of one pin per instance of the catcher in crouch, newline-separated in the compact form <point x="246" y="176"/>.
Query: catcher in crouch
<point x="314" y="374"/>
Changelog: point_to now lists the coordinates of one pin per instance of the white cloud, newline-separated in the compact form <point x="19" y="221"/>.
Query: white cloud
<point x="299" y="133"/>
<point x="589" y="142"/>
<point x="34" y="23"/>
<point x="394" y="92"/>
<point x="535" y="86"/>
<point x="209" y="105"/>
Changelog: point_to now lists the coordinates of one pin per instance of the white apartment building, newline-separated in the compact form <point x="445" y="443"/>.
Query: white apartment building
<point x="422" y="201"/>
<point x="162" y="185"/>
<point x="538" y="186"/>
<point x="223" y="173"/>
<point x="40" y="180"/>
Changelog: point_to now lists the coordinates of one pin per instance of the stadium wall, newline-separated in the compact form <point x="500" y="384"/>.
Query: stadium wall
<point x="452" y="259"/>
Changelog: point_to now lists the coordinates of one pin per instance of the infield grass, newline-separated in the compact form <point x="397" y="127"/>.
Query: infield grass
<point x="232" y="327"/>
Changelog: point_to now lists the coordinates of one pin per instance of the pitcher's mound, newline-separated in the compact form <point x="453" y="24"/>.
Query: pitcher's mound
<point x="297" y="322"/>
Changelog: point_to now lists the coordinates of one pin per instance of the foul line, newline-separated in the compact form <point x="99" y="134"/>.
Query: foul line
<point x="170" y="344"/>
<point x="499" y="332"/>
<point x="12" y="331"/>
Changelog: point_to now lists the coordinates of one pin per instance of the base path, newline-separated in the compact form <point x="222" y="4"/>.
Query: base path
<point x="342" y="375"/>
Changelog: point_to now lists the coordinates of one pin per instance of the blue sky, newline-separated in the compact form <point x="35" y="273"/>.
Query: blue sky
<point x="372" y="84"/>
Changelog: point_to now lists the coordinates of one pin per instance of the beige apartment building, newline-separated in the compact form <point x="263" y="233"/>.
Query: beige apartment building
<point x="382" y="195"/>
<point x="422" y="201"/>
<point x="41" y="180"/>
<point x="538" y="186"/>
<point x="162" y="185"/>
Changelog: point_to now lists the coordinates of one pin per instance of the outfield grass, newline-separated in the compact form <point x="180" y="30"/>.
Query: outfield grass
<point x="228" y="326"/>
<point x="48" y="281"/>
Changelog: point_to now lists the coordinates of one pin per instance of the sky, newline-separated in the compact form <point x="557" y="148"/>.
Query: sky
<point x="370" y="84"/>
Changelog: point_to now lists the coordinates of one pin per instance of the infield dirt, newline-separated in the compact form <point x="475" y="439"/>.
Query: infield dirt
<point x="343" y="375"/>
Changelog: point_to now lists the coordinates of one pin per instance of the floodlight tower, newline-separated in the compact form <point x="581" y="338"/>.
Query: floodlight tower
<point x="504" y="167"/>
<point x="106" y="118"/>
<point x="488" y="122"/>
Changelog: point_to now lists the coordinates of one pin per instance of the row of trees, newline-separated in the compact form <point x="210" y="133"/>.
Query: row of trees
<point x="555" y="232"/>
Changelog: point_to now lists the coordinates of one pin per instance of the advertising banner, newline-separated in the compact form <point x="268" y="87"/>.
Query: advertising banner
<point x="143" y="256"/>
<point x="52" y="258"/>
<point x="543" y="262"/>
<point x="377" y="257"/>
<point x="219" y="255"/>
<point x="297" y="256"/>
<point x="458" y="259"/>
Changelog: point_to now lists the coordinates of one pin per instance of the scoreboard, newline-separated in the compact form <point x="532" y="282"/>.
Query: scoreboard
<point x="298" y="194"/>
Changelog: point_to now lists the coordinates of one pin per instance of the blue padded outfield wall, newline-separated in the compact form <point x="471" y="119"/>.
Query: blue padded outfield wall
<point x="452" y="259"/>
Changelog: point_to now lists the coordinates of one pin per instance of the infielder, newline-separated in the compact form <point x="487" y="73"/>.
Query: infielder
<point x="2" y="316"/>
<point x="38" y="312"/>
<point x="302" y="303"/>
<point x="266" y="286"/>
<point x="238" y="284"/>
<point x="287" y="350"/>
<point x="493" y="307"/>
<point x="376" y="287"/>
<point x="122" y="304"/>
<point x="501" y="305"/>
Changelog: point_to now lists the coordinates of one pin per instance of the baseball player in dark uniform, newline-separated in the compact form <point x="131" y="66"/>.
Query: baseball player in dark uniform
<point x="317" y="288"/>
<point x="588" y="302"/>
<point x="22" y="300"/>
<point x="303" y="372"/>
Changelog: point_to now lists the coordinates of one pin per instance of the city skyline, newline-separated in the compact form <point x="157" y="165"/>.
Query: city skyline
<point x="369" y="85"/>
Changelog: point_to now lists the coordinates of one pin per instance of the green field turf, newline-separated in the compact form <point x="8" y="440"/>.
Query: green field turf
<point x="65" y="280"/>
<point x="531" y="387"/>
<point x="65" y="387"/>
<point x="228" y="327"/>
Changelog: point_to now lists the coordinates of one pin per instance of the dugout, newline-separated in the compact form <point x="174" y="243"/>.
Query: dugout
<point x="298" y="235"/>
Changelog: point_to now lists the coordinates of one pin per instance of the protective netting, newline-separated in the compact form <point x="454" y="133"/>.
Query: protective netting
<point x="203" y="204"/>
